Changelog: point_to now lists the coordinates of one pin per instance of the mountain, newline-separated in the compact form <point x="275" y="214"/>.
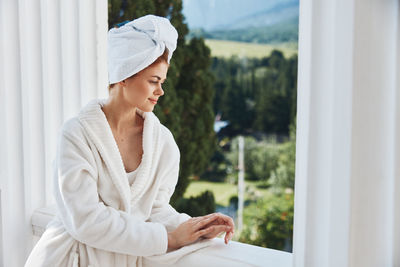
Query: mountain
<point x="282" y="13"/>
<point x="283" y="32"/>
<point x="217" y="15"/>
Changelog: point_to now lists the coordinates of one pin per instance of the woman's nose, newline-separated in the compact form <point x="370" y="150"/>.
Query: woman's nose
<point x="160" y="91"/>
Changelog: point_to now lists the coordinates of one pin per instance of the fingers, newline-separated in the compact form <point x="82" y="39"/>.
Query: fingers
<point x="208" y="226"/>
<point x="221" y="228"/>
<point x="213" y="224"/>
<point x="223" y="219"/>
<point x="228" y="236"/>
<point x="226" y="219"/>
<point x="209" y="215"/>
<point x="214" y="231"/>
<point x="204" y="222"/>
<point x="200" y="218"/>
<point x="204" y="232"/>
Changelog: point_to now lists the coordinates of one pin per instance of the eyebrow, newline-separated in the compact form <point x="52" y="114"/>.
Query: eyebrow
<point x="158" y="77"/>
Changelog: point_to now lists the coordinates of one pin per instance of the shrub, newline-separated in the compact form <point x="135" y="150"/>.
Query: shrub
<point x="260" y="158"/>
<point x="197" y="206"/>
<point x="217" y="170"/>
<point x="283" y="176"/>
<point x="269" y="222"/>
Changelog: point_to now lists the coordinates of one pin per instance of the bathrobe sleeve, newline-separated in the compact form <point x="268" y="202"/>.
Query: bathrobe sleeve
<point x="162" y="211"/>
<point x="86" y="218"/>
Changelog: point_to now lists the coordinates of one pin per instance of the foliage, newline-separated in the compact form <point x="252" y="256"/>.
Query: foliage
<point x="196" y="138"/>
<point x="269" y="222"/>
<point x="231" y="95"/>
<point x="219" y="167"/>
<point x="197" y="206"/>
<point x="284" y="174"/>
<point x="186" y="107"/>
<point x="223" y="192"/>
<point x="276" y="92"/>
<point x="255" y="95"/>
<point x="260" y="157"/>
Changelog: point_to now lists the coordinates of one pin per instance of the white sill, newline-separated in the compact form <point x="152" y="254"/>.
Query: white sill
<point x="240" y="254"/>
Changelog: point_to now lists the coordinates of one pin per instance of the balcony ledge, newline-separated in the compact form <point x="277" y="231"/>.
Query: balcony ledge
<point x="233" y="254"/>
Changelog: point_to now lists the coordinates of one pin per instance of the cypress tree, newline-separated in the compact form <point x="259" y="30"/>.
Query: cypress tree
<point x="186" y="107"/>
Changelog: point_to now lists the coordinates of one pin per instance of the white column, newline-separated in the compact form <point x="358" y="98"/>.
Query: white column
<point x="50" y="66"/>
<point x="3" y="171"/>
<point x="102" y="29"/>
<point x="345" y="207"/>
<point x="14" y="231"/>
<point x="396" y="147"/>
<point x="52" y="86"/>
<point x="32" y="110"/>
<point x="374" y="133"/>
<point x="87" y="50"/>
<point x="70" y="52"/>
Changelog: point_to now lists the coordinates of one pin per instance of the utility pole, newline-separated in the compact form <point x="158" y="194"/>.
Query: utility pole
<point x="241" y="183"/>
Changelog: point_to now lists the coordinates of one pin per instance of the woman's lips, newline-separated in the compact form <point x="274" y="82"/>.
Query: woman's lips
<point x="153" y="101"/>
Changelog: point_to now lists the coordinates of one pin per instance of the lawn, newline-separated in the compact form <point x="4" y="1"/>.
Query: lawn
<point x="224" y="191"/>
<point x="222" y="48"/>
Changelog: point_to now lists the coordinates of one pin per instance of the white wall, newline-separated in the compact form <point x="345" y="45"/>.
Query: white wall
<point x="52" y="61"/>
<point x="347" y="204"/>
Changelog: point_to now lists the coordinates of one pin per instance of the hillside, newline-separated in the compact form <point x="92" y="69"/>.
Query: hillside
<point x="227" y="49"/>
<point x="283" y="32"/>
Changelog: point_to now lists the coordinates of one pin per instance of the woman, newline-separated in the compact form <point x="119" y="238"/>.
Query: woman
<point x="117" y="167"/>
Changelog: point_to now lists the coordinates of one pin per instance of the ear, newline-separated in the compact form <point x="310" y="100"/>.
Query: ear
<point x="122" y="83"/>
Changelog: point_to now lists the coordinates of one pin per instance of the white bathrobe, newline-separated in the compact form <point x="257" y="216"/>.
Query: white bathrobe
<point x="102" y="220"/>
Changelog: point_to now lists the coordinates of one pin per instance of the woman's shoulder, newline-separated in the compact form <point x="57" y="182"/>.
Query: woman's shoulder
<point x="91" y="111"/>
<point x="167" y="134"/>
<point x="169" y="140"/>
<point x="72" y="128"/>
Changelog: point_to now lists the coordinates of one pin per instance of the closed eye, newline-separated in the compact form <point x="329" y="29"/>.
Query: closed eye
<point x="156" y="82"/>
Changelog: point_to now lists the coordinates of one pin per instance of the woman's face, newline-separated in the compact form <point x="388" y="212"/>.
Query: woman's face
<point x="144" y="89"/>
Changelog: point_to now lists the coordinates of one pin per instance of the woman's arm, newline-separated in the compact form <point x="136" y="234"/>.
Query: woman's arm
<point x="86" y="217"/>
<point x="164" y="213"/>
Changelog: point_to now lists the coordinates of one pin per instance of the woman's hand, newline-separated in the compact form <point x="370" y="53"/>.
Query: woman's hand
<point x="194" y="228"/>
<point x="220" y="219"/>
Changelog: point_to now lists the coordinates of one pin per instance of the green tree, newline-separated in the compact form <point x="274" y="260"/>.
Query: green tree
<point x="269" y="222"/>
<point x="234" y="95"/>
<point x="284" y="174"/>
<point x="200" y="205"/>
<point x="275" y="104"/>
<point x="261" y="157"/>
<point x="196" y="137"/>
<point x="186" y="107"/>
<point x="219" y="167"/>
<point x="256" y="95"/>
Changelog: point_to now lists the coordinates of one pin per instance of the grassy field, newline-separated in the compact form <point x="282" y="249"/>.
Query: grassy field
<point x="224" y="191"/>
<point x="221" y="48"/>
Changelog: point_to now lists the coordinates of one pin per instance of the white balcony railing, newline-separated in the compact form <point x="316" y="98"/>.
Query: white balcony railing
<point x="231" y="255"/>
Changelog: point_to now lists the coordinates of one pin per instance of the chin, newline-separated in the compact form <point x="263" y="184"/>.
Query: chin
<point x="146" y="109"/>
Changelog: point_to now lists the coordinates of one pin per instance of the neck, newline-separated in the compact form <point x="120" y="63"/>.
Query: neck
<point x="120" y="114"/>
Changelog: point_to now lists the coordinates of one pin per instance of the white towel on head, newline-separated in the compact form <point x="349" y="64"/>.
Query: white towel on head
<point x="137" y="44"/>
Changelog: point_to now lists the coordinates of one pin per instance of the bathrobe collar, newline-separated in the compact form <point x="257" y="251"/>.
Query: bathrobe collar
<point x="96" y="125"/>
